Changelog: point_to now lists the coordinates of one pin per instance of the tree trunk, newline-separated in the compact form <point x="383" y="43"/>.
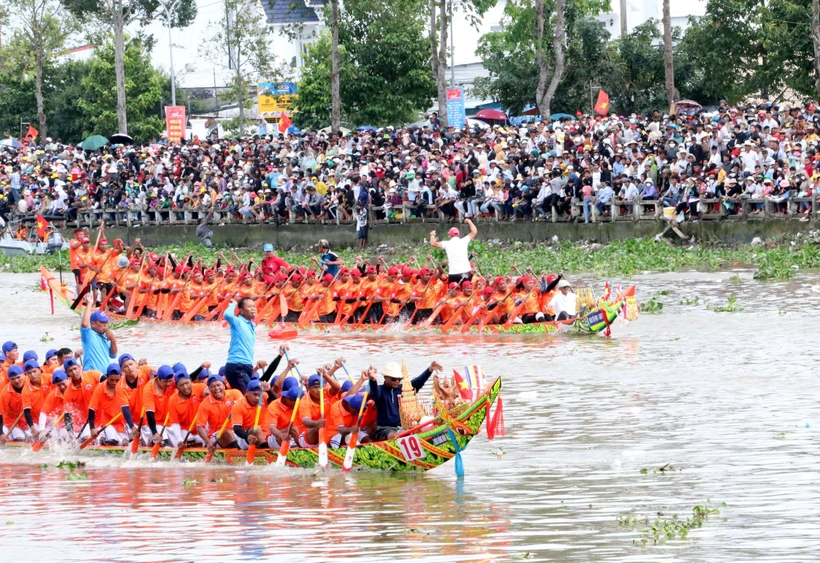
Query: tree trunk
<point x="118" y="25"/>
<point x="242" y="93"/>
<point x="438" y="52"/>
<point x="39" y="56"/>
<point x="335" y="96"/>
<point x="815" y="38"/>
<point x="668" y="66"/>
<point x="545" y="91"/>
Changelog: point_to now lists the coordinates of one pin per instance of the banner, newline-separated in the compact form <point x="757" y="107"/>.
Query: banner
<point x="274" y="98"/>
<point x="175" y="123"/>
<point x="456" y="116"/>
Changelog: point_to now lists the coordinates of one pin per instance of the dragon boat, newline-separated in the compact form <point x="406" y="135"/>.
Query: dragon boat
<point x="421" y="448"/>
<point x="596" y="316"/>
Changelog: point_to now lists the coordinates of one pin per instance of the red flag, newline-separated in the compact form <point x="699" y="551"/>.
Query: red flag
<point x="464" y="390"/>
<point x="42" y="226"/>
<point x="602" y="105"/>
<point x="284" y="123"/>
<point x="31" y="134"/>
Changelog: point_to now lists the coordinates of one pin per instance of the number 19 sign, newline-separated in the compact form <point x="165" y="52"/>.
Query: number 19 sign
<point x="411" y="448"/>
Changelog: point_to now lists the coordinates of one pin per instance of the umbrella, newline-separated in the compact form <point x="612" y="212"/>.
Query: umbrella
<point x="688" y="104"/>
<point x="121" y="139"/>
<point x="93" y="143"/>
<point x="366" y="128"/>
<point x="343" y="130"/>
<point x="477" y="123"/>
<point x="557" y="116"/>
<point x="11" y="143"/>
<point x="491" y="114"/>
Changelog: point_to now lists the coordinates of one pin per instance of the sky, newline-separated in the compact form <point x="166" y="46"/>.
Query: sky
<point x="187" y="42"/>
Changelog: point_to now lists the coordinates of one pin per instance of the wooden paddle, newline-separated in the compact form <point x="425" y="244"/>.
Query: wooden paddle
<point x="16" y="420"/>
<point x="305" y="316"/>
<point x="132" y="300"/>
<point x="160" y="308"/>
<point x="87" y="282"/>
<point x="456" y="314"/>
<point x="323" y="429"/>
<point x="515" y="313"/>
<point x="158" y="445"/>
<point x="181" y="445"/>
<point x="210" y="455"/>
<point x="135" y="443"/>
<point x="416" y="308"/>
<point x="38" y="445"/>
<point x="252" y="447"/>
<point x="285" y="446"/>
<point x="114" y="288"/>
<point x="437" y="310"/>
<point x="221" y="308"/>
<point x="104" y="426"/>
<point x="354" y="437"/>
<point x="471" y="320"/>
<point x="366" y="311"/>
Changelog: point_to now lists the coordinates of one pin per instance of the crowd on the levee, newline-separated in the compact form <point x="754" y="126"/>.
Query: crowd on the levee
<point x="757" y="150"/>
<point x="136" y="283"/>
<point x="93" y="395"/>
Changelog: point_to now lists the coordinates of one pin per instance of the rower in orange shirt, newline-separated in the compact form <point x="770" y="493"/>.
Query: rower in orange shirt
<point x="184" y="406"/>
<point x="326" y="311"/>
<point x="155" y="397"/>
<point x="212" y="412"/>
<point x="78" y="394"/>
<point x="279" y="414"/>
<point x="10" y="356"/>
<point x="295" y="298"/>
<point x="149" y="290"/>
<point x="402" y="290"/>
<point x="54" y="406"/>
<point x="382" y="307"/>
<point x="103" y="261"/>
<point x="367" y="289"/>
<point x="502" y="303"/>
<point x="16" y="421"/>
<point x="52" y="362"/>
<point x="309" y="413"/>
<point x="426" y="293"/>
<point x="133" y="380"/>
<point x="343" y="418"/>
<point x="85" y="255"/>
<point x="243" y="417"/>
<point x="108" y="401"/>
<point x="74" y="255"/>
<point x="38" y="389"/>
<point x="130" y="284"/>
<point x="342" y="294"/>
<point x="211" y="284"/>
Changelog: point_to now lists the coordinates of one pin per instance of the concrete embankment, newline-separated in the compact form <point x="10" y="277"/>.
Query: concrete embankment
<point x="302" y="236"/>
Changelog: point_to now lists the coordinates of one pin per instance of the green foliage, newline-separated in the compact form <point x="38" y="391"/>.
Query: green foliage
<point x="769" y="42"/>
<point x="143" y="86"/>
<point x="732" y="307"/>
<point x="384" y="75"/>
<point x="652" y="307"/>
<point x="660" y="530"/>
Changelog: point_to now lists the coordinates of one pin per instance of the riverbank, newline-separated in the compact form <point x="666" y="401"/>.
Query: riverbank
<point x="773" y="259"/>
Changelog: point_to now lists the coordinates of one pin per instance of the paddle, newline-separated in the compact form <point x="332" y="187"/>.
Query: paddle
<point x="145" y="299"/>
<point x="354" y="437"/>
<point x="283" y="449"/>
<point x="418" y="303"/>
<point x="87" y="283"/>
<point x="38" y="445"/>
<point x="158" y="445"/>
<point x="322" y="430"/>
<point x="181" y="445"/>
<point x="263" y="311"/>
<point x="16" y="420"/>
<point x="135" y="291"/>
<point x="104" y="426"/>
<point x="471" y="320"/>
<point x="437" y="310"/>
<point x="210" y="455"/>
<point x="347" y="373"/>
<point x="459" y="462"/>
<point x="456" y="314"/>
<point x="160" y="308"/>
<point x="366" y="311"/>
<point x="172" y="306"/>
<point x="305" y="316"/>
<point x="114" y="288"/>
<point x="135" y="443"/>
<point x="214" y="315"/>
<point x="252" y="447"/>
<point x="515" y="313"/>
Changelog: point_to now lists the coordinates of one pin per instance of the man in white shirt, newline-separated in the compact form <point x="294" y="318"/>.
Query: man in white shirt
<point x="564" y="302"/>
<point x="458" y="252"/>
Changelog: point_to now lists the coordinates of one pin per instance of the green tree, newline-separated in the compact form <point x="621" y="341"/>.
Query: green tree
<point x="143" y="91"/>
<point x="116" y="15"/>
<point x="383" y="76"/>
<point x="746" y="47"/>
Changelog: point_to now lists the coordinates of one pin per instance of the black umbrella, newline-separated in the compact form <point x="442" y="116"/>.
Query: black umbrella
<point x="121" y="139"/>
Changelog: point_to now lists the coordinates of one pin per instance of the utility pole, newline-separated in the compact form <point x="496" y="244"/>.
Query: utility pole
<point x="623" y="19"/>
<point x="452" y="48"/>
<point x="168" y="7"/>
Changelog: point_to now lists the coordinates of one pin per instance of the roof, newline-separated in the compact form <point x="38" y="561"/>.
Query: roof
<point x="292" y="11"/>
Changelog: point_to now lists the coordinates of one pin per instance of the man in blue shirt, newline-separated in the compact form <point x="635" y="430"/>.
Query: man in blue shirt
<point x="239" y="366"/>
<point x="386" y="396"/>
<point x="330" y="260"/>
<point x="99" y="343"/>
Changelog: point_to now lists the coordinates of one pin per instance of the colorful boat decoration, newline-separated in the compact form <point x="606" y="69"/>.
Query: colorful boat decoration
<point x="595" y="319"/>
<point x="422" y="450"/>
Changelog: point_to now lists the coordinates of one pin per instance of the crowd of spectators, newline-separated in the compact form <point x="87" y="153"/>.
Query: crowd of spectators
<point x="758" y="150"/>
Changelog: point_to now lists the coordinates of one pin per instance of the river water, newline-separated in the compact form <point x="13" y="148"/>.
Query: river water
<point x="728" y="400"/>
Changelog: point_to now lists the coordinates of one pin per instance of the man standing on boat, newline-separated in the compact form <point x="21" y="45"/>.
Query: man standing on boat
<point x="239" y="366"/>
<point x="458" y="252"/>
<point x="99" y="343"/>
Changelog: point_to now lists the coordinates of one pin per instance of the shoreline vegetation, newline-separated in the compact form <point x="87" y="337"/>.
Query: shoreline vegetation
<point x="777" y="260"/>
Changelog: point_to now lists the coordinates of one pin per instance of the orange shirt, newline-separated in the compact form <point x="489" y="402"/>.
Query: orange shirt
<point x="429" y="297"/>
<point x="505" y="306"/>
<point x="244" y="414"/>
<point x="73" y="254"/>
<point x="184" y="411"/>
<point x="340" y="417"/>
<point x="212" y="413"/>
<point x="326" y="303"/>
<point x="107" y="262"/>
<point x="135" y="393"/>
<point x="13" y="403"/>
<point x="279" y="415"/>
<point x="157" y="403"/>
<point x="77" y="399"/>
<point x="531" y="303"/>
<point x="308" y="409"/>
<point x="54" y="405"/>
<point x="295" y="298"/>
<point x="84" y="257"/>
<point x="38" y="398"/>
<point x="369" y="288"/>
<point x="106" y="406"/>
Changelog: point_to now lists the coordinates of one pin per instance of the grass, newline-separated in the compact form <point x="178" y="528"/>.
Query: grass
<point x="619" y="258"/>
<point x="732" y="307"/>
<point x="662" y="529"/>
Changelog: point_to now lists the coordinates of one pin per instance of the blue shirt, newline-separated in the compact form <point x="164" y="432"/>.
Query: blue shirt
<point x="332" y="269"/>
<point x="243" y="338"/>
<point x="96" y="350"/>
<point x="387" y="400"/>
